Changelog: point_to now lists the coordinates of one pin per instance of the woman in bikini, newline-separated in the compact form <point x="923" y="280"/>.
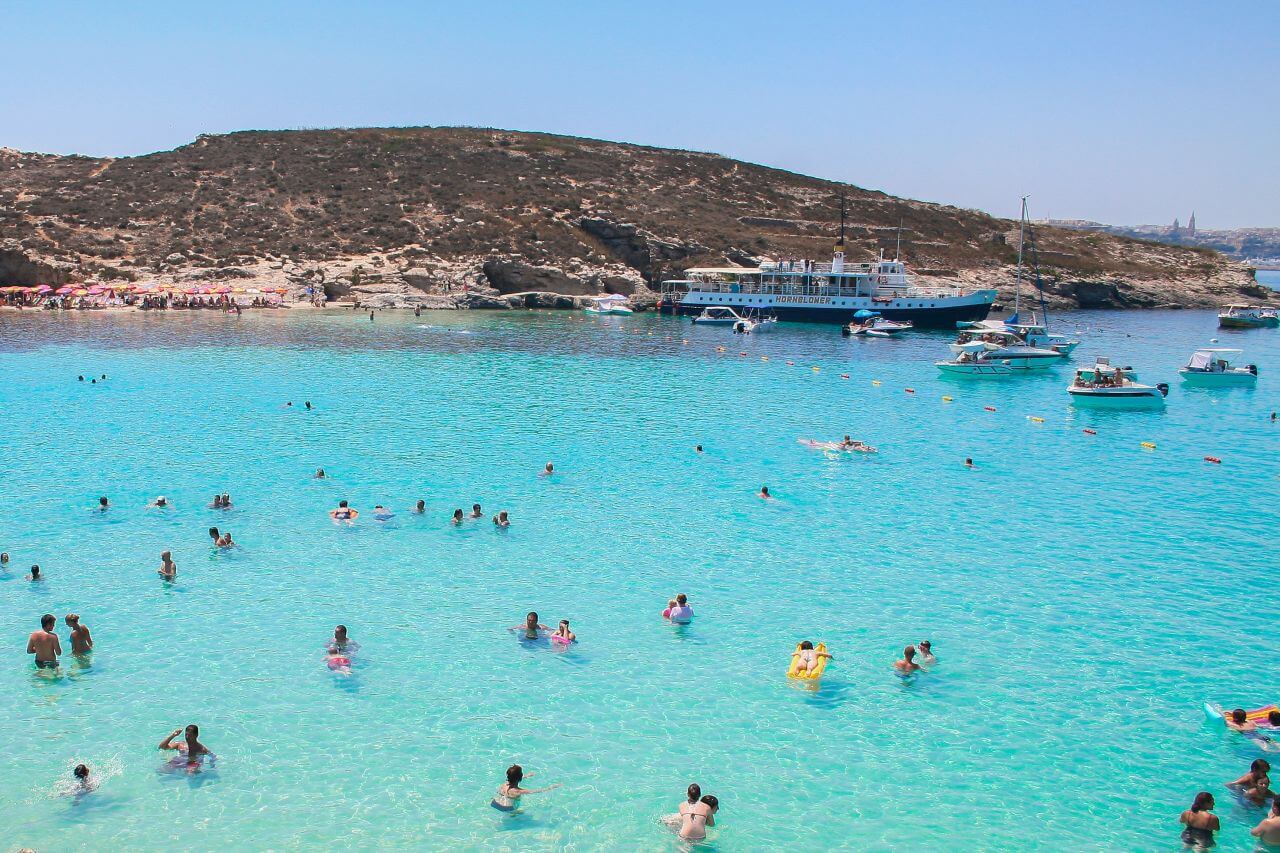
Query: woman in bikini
<point x="508" y="797"/>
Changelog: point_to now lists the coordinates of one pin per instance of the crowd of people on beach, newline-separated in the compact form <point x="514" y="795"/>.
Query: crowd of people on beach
<point x="146" y="297"/>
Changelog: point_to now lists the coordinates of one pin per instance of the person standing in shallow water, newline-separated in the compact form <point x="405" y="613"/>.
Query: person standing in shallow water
<point x="44" y="644"/>
<point x="81" y="640"/>
<point x="1199" y="822"/>
<point x="168" y="568"/>
<point x="509" y="793"/>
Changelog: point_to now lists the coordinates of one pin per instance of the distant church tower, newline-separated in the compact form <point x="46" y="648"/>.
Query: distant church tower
<point x="1191" y="225"/>
<point x="1176" y="230"/>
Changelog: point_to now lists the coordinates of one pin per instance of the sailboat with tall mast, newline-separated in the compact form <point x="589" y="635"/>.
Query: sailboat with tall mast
<point x="1035" y="332"/>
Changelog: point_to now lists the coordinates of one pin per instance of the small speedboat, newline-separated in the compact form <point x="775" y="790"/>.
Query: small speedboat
<point x="718" y="315"/>
<point x="974" y="360"/>
<point x="754" y="325"/>
<point x="1212" y="367"/>
<point x="871" y="324"/>
<point x="1106" y="385"/>
<point x="611" y="304"/>
<point x="1248" y="317"/>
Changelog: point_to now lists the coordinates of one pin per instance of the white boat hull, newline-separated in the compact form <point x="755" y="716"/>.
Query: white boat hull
<point x="1227" y="379"/>
<point x="974" y="369"/>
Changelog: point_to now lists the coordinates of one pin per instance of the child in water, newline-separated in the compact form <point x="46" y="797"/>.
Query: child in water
<point x="807" y="657"/>
<point x="563" y="635"/>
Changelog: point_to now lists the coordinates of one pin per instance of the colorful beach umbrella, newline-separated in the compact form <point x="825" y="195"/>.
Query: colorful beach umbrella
<point x="64" y="290"/>
<point x="43" y="288"/>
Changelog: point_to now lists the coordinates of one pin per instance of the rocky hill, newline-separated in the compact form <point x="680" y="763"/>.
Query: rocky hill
<point x="444" y="216"/>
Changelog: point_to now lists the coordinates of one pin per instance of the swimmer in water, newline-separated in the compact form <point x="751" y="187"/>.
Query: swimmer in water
<point x="926" y="653"/>
<point x="420" y="507"/>
<point x="4" y="561"/>
<point x="190" y="745"/>
<point x="968" y="462"/>
<point x="81" y="639"/>
<point x="500" y="520"/>
<point x="681" y="613"/>
<point x="103" y="504"/>
<point x="1200" y="821"/>
<point x="1255" y="785"/>
<point x="226" y="501"/>
<point x="666" y="614"/>
<point x="343" y="512"/>
<point x="217" y="502"/>
<point x="1268" y="830"/>
<point x="35" y="574"/>
<point x="563" y="633"/>
<point x="308" y="405"/>
<point x="214" y="535"/>
<point x="84" y="784"/>
<point x="696" y="814"/>
<point x="160" y="503"/>
<point x="907" y="665"/>
<point x="509" y="793"/>
<point x="319" y="474"/>
<point x="224" y="541"/>
<point x="698" y="449"/>
<point x="381" y="513"/>
<point x="763" y="494"/>
<point x="807" y="657"/>
<point x="168" y="568"/>
<point x="341" y="642"/>
<point x="476" y="512"/>
<point x="457" y="517"/>
<point x="1238" y="720"/>
<point x="44" y="644"/>
<point x="531" y="626"/>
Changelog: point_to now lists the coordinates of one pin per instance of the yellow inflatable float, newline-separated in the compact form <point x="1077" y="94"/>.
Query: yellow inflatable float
<point x="820" y="652"/>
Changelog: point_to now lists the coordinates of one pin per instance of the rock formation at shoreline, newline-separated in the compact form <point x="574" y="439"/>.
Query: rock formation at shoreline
<point x="463" y="217"/>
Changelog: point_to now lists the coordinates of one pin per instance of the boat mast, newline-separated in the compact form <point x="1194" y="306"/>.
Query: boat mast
<point x="1022" y="230"/>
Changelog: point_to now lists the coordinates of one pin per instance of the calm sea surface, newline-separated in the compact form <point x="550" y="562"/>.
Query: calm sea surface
<point x="1084" y="595"/>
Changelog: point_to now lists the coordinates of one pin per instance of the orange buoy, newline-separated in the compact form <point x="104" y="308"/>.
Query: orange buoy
<point x="989" y="408"/>
<point x="910" y="390"/>
<point x="1091" y="432"/>
<point x="844" y="376"/>
<point x="1215" y="460"/>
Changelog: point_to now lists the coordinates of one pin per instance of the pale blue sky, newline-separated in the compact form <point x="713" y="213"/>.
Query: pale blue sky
<point x="1125" y="112"/>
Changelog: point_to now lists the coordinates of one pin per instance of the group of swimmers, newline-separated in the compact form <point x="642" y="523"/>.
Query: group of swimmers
<point x="47" y="647"/>
<point x="1199" y="823"/>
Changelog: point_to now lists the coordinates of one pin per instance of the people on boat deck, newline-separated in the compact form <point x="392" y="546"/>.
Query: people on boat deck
<point x="501" y="520"/>
<point x="1255" y="786"/>
<point x="926" y="652"/>
<point x="907" y="665"/>
<point x="531" y="626"/>
<point x="44" y="644"/>
<point x="476" y="512"/>
<point x="680" y="612"/>
<point x="190" y="745"/>
<point x="343" y="512"/>
<point x="103" y="504"/>
<point x="807" y="657"/>
<point x="509" y="793"/>
<point x="763" y="494"/>
<point x="457" y="516"/>
<point x="1199" y="822"/>
<point x="168" y="568"/>
<point x="1268" y="829"/>
<point x="80" y="638"/>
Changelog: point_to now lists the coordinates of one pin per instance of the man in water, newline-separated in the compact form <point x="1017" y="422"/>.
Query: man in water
<point x="341" y="642"/>
<point x="763" y="494"/>
<point x="968" y="462"/>
<point x="531" y="626"/>
<point x="191" y="744"/>
<point x="81" y="641"/>
<point x="682" y="613"/>
<point x="102" y="504"/>
<point x="160" y="502"/>
<point x="1239" y="721"/>
<point x="1268" y="830"/>
<point x="4" y="559"/>
<point x="420" y="507"/>
<point x="319" y="473"/>
<point x="35" y="574"/>
<point x="476" y="512"/>
<point x="343" y="512"/>
<point x="698" y="449"/>
<point x="907" y="665"/>
<point x="548" y="470"/>
<point x="44" y="644"/>
<point x="168" y="568"/>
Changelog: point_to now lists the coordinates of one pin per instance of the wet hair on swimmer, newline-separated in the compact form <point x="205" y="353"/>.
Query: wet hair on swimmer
<point x="712" y="801"/>
<point x="47" y="621"/>
<point x="515" y="773"/>
<point x="695" y="792"/>
<point x="1273" y="717"/>
<point x="342" y="504"/>
<point x="81" y="771"/>
<point x="1203" y="802"/>
<point x="682" y="599"/>
<point x="1260" y="767"/>
<point x="1238" y="716"/>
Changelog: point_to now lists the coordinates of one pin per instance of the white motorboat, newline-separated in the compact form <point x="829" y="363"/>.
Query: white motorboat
<point x="975" y="360"/>
<point x="611" y="304"/>
<point x="872" y="324"/>
<point x="1103" y="385"/>
<point x="1248" y="317"/>
<point x="754" y="325"/>
<point x="1037" y="335"/>
<point x="718" y="315"/>
<point x="1007" y="346"/>
<point x="1212" y="367"/>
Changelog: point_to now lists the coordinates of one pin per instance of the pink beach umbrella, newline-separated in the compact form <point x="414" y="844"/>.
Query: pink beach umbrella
<point x="43" y="288"/>
<point x="64" y="290"/>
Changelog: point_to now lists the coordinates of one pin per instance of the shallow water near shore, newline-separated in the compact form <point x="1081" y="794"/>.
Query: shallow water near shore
<point x="1084" y="595"/>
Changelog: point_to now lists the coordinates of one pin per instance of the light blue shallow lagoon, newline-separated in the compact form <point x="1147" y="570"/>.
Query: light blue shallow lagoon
<point x="1085" y="595"/>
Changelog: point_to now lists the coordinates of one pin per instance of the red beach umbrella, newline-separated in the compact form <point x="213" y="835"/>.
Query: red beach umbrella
<point x="43" y="288"/>
<point x="64" y="290"/>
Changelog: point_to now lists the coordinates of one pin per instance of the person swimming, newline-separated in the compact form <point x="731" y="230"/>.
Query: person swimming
<point x="1200" y="822"/>
<point x="1268" y="829"/>
<point x="103" y="504"/>
<point x="216" y="503"/>
<point x="84" y="783"/>
<point x="214" y="535"/>
<point x="968" y="462"/>
<point x="476" y="512"/>
<point x="225" y="541"/>
<point x="1239" y="721"/>
<point x="320" y="475"/>
<point x="531" y="627"/>
<point x="343" y="512"/>
<point x="697" y="449"/>
<point x="339" y="651"/>
<point x="926" y="653"/>
<point x="457" y="517"/>
<point x="763" y="494"/>
<point x="420" y="507"/>
<point x="548" y="470"/>
<point x="563" y="635"/>
<point x="190" y="745"/>
<point x="907" y="665"/>
<point x="44" y="644"/>
<point x="160" y="503"/>
<point x="1255" y="786"/>
<point x="696" y="814"/>
<point x="509" y="793"/>
<point x="168" y="568"/>
<point x="681" y="613"/>
<point x="501" y="520"/>
<point x="666" y="614"/>
<point x="35" y="574"/>
<point x="381" y="513"/>
<point x="807" y="657"/>
<point x="226" y="501"/>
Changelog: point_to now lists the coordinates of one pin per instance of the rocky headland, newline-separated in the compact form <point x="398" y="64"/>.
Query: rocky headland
<point x="478" y="218"/>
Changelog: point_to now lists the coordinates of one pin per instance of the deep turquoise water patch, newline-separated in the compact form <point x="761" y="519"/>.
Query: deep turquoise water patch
<point x="1084" y="595"/>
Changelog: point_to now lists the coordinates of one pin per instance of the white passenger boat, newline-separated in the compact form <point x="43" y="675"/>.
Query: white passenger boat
<point x="1103" y="385"/>
<point x="1213" y="367"/>
<point x="718" y="316"/>
<point x="1248" y="317"/>
<point x="832" y="292"/>
<point x="611" y="304"/>
<point x="1006" y="346"/>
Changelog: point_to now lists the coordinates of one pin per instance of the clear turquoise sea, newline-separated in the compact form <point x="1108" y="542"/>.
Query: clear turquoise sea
<point x="1085" y="595"/>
